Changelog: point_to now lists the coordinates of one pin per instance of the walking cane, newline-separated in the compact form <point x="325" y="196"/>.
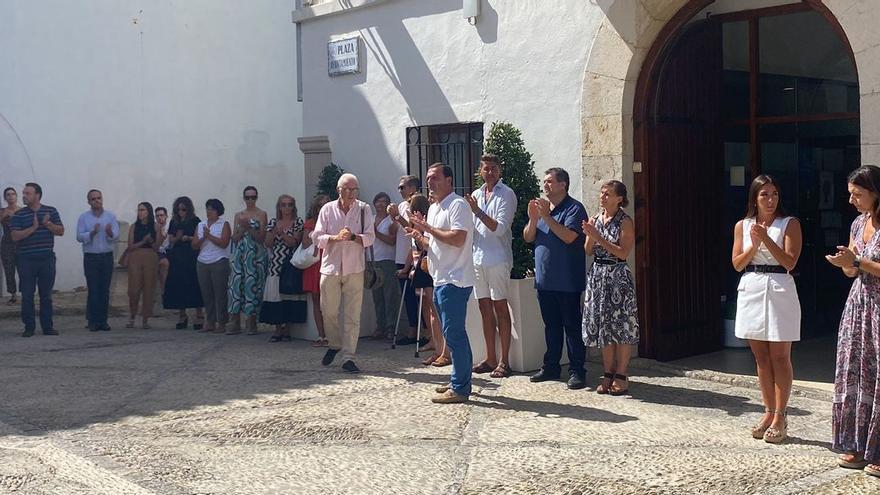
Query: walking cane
<point x="419" y="324"/>
<point x="399" y="310"/>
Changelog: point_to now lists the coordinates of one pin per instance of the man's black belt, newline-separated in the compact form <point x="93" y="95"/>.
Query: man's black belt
<point x="608" y="261"/>
<point x="766" y="269"/>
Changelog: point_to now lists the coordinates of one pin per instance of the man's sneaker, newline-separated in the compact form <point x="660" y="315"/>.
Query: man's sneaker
<point x="449" y="397"/>
<point x="576" y="382"/>
<point x="27" y="333"/>
<point x="543" y="376"/>
<point x="350" y="367"/>
<point x="106" y="327"/>
<point x="94" y="328"/>
<point x="329" y="356"/>
<point x="443" y="388"/>
<point x="50" y="331"/>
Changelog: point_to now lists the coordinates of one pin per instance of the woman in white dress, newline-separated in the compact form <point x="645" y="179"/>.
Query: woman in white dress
<point x="767" y="245"/>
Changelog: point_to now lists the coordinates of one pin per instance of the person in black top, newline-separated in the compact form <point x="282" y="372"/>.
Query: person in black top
<point x="144" y="239"/>
<point x="182" y="285"/>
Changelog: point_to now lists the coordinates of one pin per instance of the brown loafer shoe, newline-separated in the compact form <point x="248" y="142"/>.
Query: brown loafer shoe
<point x="442" y="388"/>
<point x="449" y="397"/>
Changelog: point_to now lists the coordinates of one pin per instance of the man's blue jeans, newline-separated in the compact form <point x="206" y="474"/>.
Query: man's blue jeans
<point x="36" y="272"/>
<point x="451" y="302"/>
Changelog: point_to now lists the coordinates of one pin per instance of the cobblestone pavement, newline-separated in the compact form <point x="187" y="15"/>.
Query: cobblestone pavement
<point x="172" y="411"/>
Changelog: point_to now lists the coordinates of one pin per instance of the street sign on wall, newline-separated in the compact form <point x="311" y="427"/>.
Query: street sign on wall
<point x="342" y="57"/>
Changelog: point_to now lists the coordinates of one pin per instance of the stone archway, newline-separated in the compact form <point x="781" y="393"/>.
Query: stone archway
<point x="624" y="52"/>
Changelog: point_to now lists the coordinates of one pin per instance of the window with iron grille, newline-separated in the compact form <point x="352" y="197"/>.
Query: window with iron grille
<point x="457" y="145"/>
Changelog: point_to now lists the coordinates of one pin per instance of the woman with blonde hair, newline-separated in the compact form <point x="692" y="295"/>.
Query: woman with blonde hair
<point x="284" y="233"/>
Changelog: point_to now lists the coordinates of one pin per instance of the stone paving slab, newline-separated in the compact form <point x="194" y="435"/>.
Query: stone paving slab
<point x="167" y="411"/>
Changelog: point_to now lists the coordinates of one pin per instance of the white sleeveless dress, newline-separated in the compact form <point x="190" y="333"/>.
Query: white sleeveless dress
<point x="767" y="305"/>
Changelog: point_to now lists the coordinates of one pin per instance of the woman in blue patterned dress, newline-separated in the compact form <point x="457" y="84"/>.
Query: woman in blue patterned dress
<point x="856" y="410"/>
<point x="610" y="317"/>
<point x="248" y="264"/>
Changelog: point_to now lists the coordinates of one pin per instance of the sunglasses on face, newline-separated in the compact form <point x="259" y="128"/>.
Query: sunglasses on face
<point x="250" y="198"/>
<point x="287" y="205"/>
<point x="95" y="199"/>
<point x="401" y="188"/>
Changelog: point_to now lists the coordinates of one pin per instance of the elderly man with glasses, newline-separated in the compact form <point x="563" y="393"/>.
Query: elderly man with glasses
<point x="344" y="228"/>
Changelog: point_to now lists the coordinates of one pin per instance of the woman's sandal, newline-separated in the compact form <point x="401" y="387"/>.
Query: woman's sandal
<point x="777" y="435"/>
<point x="181" y="324"/>
<point x="872" y="469"/>
<point x="483" y="367"/>
<point x="430" y="359"/>
<point x="615" y="390"/>
<point x="502" y="371"/>
<point x="320" y="342"/>
<point x="759" y="428"/>
<point x="441" y="361"/>
<point x="855" y="462"/>
<point x="605" y="386"/>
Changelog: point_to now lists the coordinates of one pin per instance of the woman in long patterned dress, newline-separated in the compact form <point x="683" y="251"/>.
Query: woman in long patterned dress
<point x="248" y="264"/>
<point x="7" y="245"/>
<point x="856" y="410"/>
<point x="312" y="274"/>
<point x="767" y="245"/>
<point x="182" y="285"/>
<point x="284" y="233"/>
<point x="610" y="313"/>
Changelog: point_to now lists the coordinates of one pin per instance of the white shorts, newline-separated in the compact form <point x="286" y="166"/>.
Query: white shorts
<point x="492" y="281"/>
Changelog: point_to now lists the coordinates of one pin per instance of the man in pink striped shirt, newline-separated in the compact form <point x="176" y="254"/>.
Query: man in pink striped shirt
<point x="344" y="228"/>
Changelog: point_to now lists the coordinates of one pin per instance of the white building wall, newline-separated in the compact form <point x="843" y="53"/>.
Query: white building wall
<point x="424" y="64"/>
<point x="148" y="101"/>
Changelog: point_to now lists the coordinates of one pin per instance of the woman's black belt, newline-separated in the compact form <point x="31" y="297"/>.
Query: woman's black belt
<point x="766" y="268"/>
<point x="608" y="261"/>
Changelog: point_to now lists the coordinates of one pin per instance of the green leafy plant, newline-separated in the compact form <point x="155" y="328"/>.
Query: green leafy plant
<point x="518" y="172"/>
<point x="328" y="179"/>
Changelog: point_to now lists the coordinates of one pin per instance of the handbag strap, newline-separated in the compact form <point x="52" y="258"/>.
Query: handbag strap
<point x="370" y="257"/>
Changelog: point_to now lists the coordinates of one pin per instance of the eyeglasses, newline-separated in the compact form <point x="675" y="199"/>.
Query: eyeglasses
<point x="250" y="198"/>
<point x="349" y="189"/>
<point x="95" y="198"/>
<point x="401" y="188"/>
<point x="287" y="205"/>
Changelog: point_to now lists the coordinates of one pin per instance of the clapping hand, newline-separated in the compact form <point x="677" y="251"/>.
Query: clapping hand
<point x="108" y="229"/>
<point x="543" y="207"/>
<point x="46" y="221"/>
<point x="844" y="257"/>
<point x="418" y="223"/>
<point x="96" y="229"/>
<point x="757" y="233"/>
<point x="392" y="210"/>
<point x="36" y="222"/>
<point x="344" y="234"/>
<point x="589" y="228"/>
<point x="472" y="201"/>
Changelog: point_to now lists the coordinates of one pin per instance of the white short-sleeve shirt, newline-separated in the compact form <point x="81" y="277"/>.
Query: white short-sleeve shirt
<point x="449" y="264"/>
<point x="403" y="242"/>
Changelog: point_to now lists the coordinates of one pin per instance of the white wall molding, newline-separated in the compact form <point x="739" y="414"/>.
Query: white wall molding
<point x="333" y="7"/>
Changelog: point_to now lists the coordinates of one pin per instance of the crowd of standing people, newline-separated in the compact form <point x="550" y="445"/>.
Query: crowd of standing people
<point x="430" y="254"/>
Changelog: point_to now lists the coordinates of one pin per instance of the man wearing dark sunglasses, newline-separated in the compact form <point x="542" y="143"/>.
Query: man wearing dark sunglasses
<point x="408" y="185"/>
<point x="97" y="230"/>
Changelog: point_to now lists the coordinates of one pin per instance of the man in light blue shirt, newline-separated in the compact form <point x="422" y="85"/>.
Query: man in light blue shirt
<point x="97" y="230"/>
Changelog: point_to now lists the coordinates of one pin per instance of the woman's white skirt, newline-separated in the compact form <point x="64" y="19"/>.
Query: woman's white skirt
<point x="767" y="308"/>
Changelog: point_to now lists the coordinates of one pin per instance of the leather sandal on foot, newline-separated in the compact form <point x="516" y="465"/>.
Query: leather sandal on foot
<point x="872" y="469"/>
<point x="483" y="367"/>
<point x="761" y="427"/>
<point x="430" y="360"/>
<point x="605" y="386"/>
<point x="777" y="435"/>
<point x="855" y="462"/>
<point x="501" y="371"/>
<point x="441" y="361"/>
<point x="615" y="390"/>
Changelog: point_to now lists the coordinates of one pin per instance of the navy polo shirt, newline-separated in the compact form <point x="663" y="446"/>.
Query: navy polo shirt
<point x="41" y="242"/>
<point x="559" y="266"/>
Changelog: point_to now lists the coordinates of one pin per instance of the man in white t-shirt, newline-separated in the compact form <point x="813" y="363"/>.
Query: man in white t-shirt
<point x="494" y="206"/>
<point x="408" y="185"/>
<point x="448" y="236"/>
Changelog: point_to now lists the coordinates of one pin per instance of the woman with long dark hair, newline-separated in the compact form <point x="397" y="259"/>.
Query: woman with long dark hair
<point x="856" y="412"/>
<point x="144" y="239"/>
<point x="7" y="245"/>
<point x="767" y="245"/>
<point x="182" y="285"/>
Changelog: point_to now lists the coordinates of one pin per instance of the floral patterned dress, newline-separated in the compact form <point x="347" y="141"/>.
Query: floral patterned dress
<point x="247" y="275"/>
<point x="610" y="310"/>
<point x="856" y="409"/>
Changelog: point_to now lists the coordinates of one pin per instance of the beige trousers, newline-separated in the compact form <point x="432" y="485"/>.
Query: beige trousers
<point x="344" y="292"/>
<point x="142" y="279"/>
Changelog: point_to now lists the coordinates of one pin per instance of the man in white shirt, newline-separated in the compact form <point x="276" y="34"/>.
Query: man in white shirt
<point x="494" y="206"/>
<point x="408" y="185"/>
<point x="344" y="228"/>
<point x="448" y="236"/>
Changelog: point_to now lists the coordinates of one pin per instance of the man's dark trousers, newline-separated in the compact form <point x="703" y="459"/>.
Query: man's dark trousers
<point x="36" y="272"/>
<point x="561" y="312"/>
<point x="99" y="272"/>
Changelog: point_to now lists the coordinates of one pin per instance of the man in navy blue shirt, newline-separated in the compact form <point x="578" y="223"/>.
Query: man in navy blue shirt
<point x="34" y="228"/>
<point x="560" y="275"/>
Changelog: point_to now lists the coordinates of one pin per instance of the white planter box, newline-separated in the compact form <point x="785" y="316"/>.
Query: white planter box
<point x="527" y="346"/>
